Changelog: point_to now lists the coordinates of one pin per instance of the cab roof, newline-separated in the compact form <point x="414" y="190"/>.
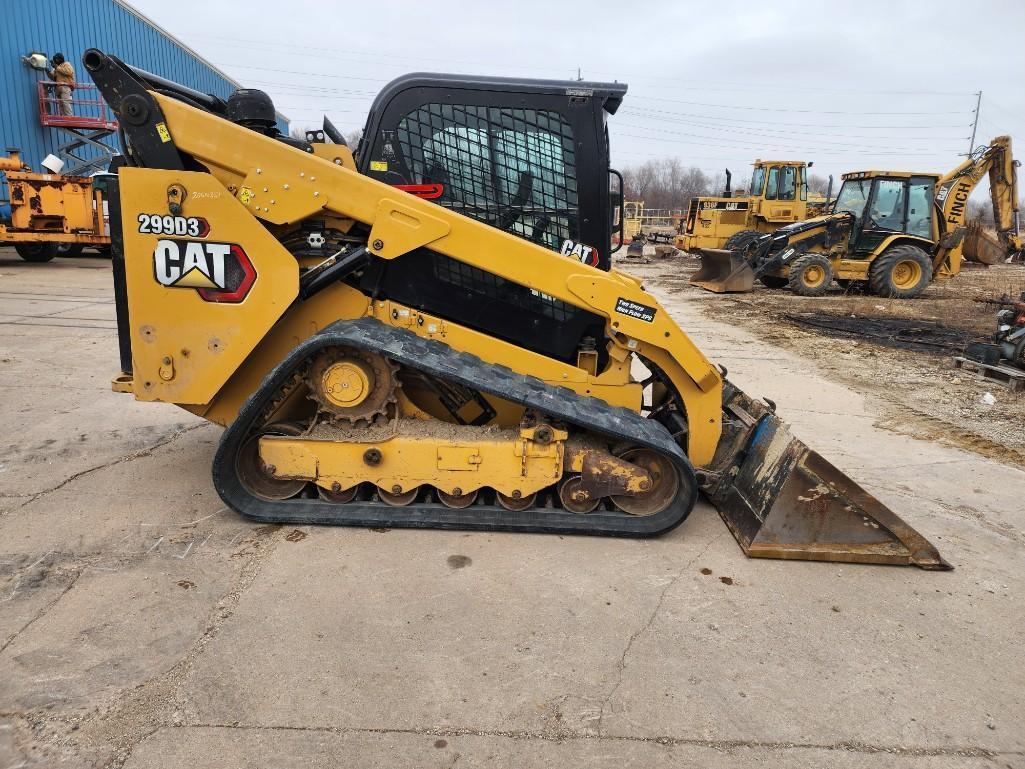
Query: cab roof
<point x="891" y="174"/>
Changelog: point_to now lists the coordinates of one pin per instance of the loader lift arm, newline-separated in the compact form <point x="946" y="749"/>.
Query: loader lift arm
<point x="298" y="378"/>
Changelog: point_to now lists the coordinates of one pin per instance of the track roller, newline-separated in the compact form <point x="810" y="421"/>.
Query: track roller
<point x="574" y="498"/>
<point x="457" y="501"/>
<point x="516" y="504"/>
<point x="396" y="497"/>
<point x="338" y="495"/>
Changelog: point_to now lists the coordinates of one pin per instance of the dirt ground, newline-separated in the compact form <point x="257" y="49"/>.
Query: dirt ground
<point x="898" y="350"/>
<point x="144" y="625"/>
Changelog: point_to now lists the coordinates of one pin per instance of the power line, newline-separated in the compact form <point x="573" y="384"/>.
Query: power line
<point x="670" y="116"/>
<point x="1016" y="117"/>
<point x="224" y="65"/>
<point x="788" y="109"/>
<point x="703" y="83"/>
<point x="791" y="133"/>
<point x="757" y="147"/>
<point x="812" y="146"/>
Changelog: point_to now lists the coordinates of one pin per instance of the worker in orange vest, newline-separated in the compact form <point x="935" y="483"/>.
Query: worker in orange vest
<point x="63" y="74"/>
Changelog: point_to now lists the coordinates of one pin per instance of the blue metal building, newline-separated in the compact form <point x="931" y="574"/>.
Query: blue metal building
<point x="71" y="27"/>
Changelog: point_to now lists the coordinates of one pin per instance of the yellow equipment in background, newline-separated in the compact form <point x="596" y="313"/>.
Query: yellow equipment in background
<point x="895" y="230"/>
<point x="398" y="339"/>
<point x="778" y="195"/>
<point x="51" y="211"/>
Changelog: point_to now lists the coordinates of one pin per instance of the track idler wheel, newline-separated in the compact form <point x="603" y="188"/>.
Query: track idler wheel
<point x="258" y="477"/>
<point x="665" y="482"/>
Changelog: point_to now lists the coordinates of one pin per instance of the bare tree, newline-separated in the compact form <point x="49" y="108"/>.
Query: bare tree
<point x="666" y="183"/>
<point x="819" y="185"/>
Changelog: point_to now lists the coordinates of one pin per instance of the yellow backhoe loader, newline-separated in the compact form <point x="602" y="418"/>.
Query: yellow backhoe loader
<point x="428" y="334"/>
<point x="897" y="231"/>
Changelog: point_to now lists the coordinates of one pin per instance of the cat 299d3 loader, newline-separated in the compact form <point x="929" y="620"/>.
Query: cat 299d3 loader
<point x="895" y="231"/>
<point x="429" y="334"/>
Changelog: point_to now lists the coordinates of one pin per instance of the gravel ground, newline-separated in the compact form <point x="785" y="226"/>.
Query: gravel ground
<point x="924" y="394"/>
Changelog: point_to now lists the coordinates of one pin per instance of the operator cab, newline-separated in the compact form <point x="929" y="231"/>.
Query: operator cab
<point x="530" y="157"/>
<point x="779" y="180"/>
<point x="885" y="204"/>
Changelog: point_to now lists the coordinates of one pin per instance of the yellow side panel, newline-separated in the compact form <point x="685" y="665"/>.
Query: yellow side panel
<point x="185" y="347"/>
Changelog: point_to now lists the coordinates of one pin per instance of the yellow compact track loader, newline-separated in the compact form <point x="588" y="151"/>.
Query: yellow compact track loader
<point x="428" y="334"/>
<point x="895" y="231"/>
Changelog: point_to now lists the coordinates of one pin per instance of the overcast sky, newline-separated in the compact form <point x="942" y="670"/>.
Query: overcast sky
<point x="849" y="86"/>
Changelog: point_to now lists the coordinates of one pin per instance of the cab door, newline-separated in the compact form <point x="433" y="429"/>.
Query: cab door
<point x="885" y="214"/>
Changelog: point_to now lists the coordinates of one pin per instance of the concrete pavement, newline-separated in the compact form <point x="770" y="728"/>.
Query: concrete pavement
<point x="143" y="625"/>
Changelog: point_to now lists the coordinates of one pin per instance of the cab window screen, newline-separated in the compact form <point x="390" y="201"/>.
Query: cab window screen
<point x="772" y="186"/>
<point x="511" y="168"/>
<point x="758" y="180"/>
<point x="920" y="207"/>
<point x="788" y="183"/>
<point x="888" y="204"/>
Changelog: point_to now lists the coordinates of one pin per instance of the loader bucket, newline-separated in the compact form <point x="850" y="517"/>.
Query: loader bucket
<point x="783" y="500"/>
<point x="723" y="271"/>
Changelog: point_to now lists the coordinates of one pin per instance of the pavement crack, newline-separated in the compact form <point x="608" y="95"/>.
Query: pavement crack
<point x="138" y="454"/>
<point x="621" y="663"/>
<point x="43" y="611"/>
<point x="723" y="745"/>
<point x="161" y="701"/>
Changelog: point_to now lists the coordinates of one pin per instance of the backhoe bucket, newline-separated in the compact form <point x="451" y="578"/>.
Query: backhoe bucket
<point x="723" y="271"/>
<point x="783" y="500"/>
<point x="982" y="246"/>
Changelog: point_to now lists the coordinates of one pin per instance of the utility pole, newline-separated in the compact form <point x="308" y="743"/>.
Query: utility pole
<point x="975" y="123"/>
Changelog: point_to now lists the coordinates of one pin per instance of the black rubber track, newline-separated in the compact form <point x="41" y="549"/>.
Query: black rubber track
<point x="440" y="360"/>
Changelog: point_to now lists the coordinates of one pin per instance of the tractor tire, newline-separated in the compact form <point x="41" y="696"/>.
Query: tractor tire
<point x="773" y="281"/>
<point x="70" y="249"/>
<point x="36" y="252"/>
<point x="810" y="275"/>
<point x="741" y="240"/>
<point x="901" y="272"/>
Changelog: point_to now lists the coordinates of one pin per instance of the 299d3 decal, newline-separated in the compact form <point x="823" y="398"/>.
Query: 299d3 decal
<point x="218" y="272"/>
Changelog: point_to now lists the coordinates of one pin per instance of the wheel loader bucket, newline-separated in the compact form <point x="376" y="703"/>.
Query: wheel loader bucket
<point x="723" y="272"/>
<point x="783" y="500"/>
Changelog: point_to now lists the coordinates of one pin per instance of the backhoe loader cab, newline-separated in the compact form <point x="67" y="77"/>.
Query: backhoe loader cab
<point x="778" y="195"/>
<point x="413" y="337"/>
